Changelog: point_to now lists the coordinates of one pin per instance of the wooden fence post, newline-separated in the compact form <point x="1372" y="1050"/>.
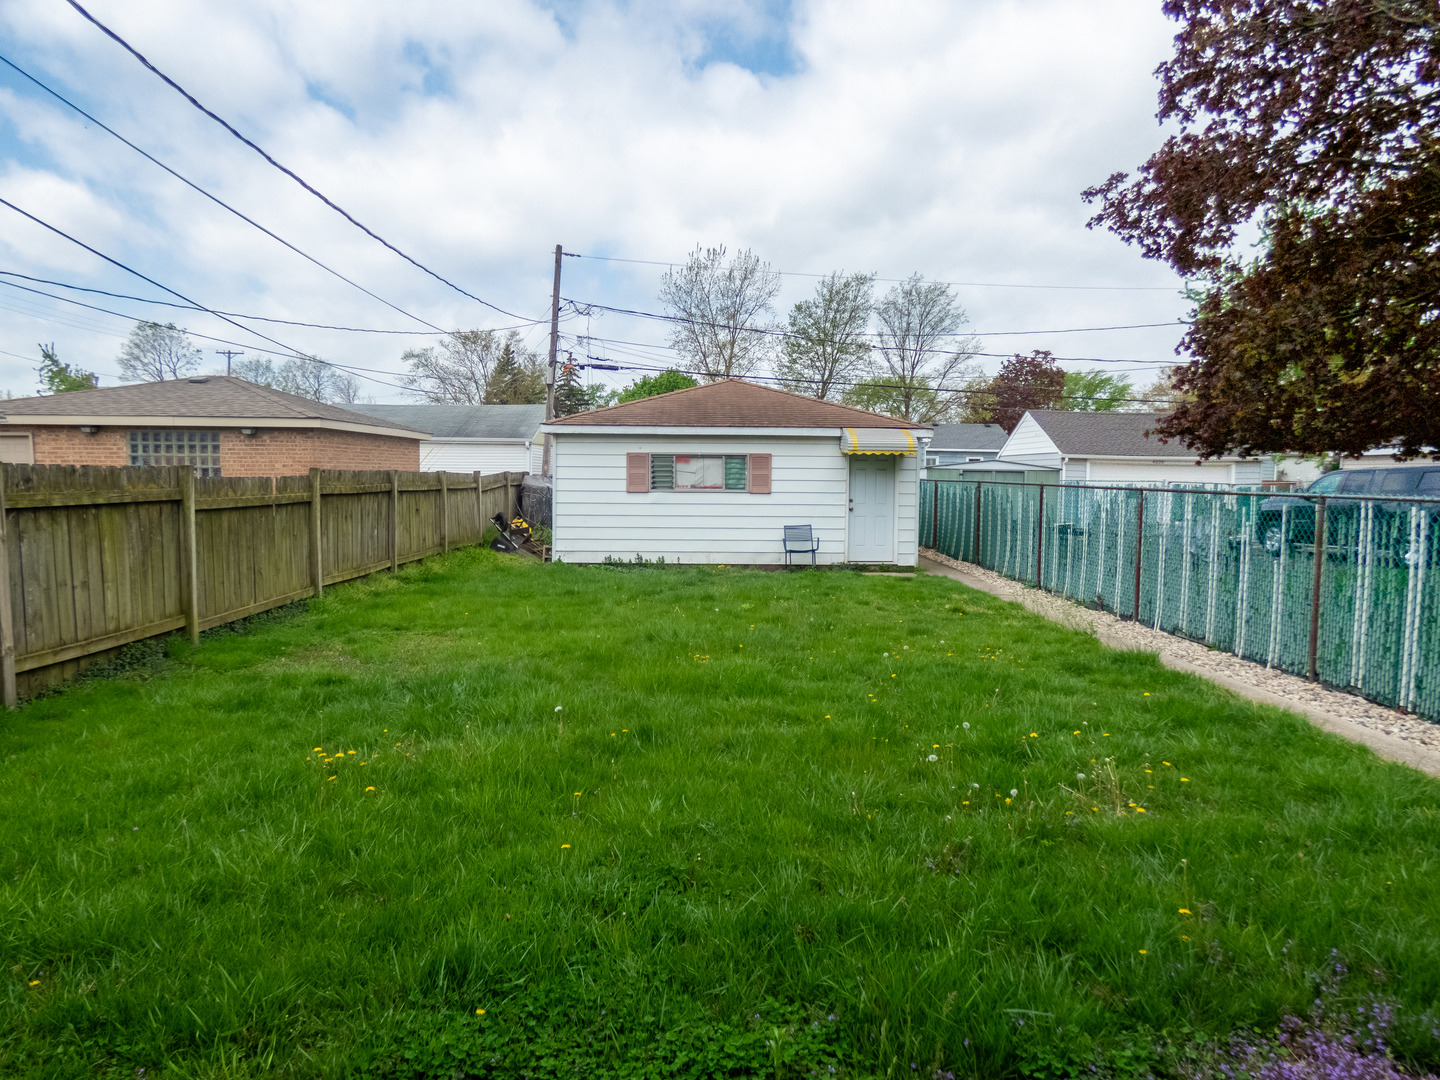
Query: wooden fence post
<point x="444" y="511"/>
<point x="1310" y="669"/>
<point x="480" y="507"/>
<point x="189" y="555"/>
<point x="316" y="569"/>
<point x="1139" y="547"/>
<point x="394" y="520"/>
<point x="7" y="616"/>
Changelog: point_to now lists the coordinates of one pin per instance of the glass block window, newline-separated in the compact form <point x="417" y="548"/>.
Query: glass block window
<point x="173" y="446"/>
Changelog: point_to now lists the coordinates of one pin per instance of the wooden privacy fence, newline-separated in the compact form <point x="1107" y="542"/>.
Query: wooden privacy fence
<point x="98" y="557"/>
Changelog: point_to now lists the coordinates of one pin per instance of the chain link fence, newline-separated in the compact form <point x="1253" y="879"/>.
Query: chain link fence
<point x="1238" y="571"/>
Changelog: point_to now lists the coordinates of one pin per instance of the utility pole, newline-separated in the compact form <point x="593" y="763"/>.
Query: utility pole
<point x="554" y="348"/>
<point x="229" y="355"/>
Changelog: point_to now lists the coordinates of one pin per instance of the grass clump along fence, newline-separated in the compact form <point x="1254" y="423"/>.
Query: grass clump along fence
<point x="494" y="818"/>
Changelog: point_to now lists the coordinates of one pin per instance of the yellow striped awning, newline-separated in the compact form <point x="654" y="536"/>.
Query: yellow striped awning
<point x="877" y="441"/>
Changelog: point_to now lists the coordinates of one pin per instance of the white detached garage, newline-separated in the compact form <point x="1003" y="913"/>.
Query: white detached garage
<point x="713" y="474"/>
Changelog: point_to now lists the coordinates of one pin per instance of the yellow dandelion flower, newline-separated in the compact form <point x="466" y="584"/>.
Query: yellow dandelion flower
<point x="1147" y="694"/>
<point x="34" y="982"/>
<point x="1166" y="763"/>
<point x="1184" y="911"/>
<point x="350" y="751"/>
<point x="1142" y="951"/>
<point x="1139" y="810"/>
<point x="563" y="846"/>
<point x="332" y="778"/>
<point x="1184" y="779"/>
<point x="318" y="750"/>
<point x="369" y="789"/>
<point x="479" y="1012"/>
<point x="1184" y="937"/>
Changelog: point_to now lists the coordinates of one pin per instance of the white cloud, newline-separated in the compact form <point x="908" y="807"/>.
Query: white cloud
<point x="935" y="137"/>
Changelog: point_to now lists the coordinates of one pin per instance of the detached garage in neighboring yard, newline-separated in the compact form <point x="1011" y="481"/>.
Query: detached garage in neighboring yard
<point x="714" y="473"/>
<point x="464" y="438"/>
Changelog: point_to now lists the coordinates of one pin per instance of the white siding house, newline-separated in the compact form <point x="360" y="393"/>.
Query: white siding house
<point x="713" y="474"/>
<point x="1112" y="448"/>
<point x="470" y="438"/>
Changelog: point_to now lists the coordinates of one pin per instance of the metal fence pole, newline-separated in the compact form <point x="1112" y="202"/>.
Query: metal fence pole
<point x="1139" y="548"/>
<point x="1310" y="672"/>
<point x="977" y="523"/>
<point x="934" y="514"/>
<point x="1040" y="541"/>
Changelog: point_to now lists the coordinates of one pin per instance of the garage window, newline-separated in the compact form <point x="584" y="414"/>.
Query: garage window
<point x="698" y="472"/>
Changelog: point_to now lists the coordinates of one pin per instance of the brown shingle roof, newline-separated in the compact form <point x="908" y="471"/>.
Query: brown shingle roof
<point x="217" y="397"/>
<point x="734" y="403"/>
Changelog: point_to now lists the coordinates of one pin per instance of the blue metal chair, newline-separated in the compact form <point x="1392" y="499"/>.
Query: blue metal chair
<point x="800" y="540"/>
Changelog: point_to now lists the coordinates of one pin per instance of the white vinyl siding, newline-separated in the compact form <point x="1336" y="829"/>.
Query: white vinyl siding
<point x="1075" y="470"/>
<point x="467" y="456"/>
<point x="1029" y="445"/>
<point x="1145" y="472"/>
<point x="596" y="517"/>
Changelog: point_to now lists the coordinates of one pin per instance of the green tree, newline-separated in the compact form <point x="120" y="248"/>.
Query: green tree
<point x="721" y="312"/>
<point x="156" y="351"/>
<point x="922" y="348"/>
<point x="881" y="395"/>
<point x="58" y="378"/>
<point x="826" y="349"/>
<point x="651" y="385"/>
<point x="518" y="377"/>
<point x="570" y="395"/>
<point x="1096" y="391"/>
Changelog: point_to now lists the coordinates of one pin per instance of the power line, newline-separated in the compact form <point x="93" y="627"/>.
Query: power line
<point x="288" y="172"/>
<point x="865" y="382"/>
<point x="577" y="305"/>
<point x="115" y="262"/>
<point x="963" y="284"/>
<point x="237" y="315"/>
<point x="213" y="198"/>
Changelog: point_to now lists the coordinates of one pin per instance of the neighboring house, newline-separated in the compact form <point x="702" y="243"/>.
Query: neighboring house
<point x="964" y="444"/>
<point x="464" y="438"/>
<point x="1383" y="457"/>
<point x="1112" y="448"/>
<point x="220" y="425"/>
<point x="712" y="474"/>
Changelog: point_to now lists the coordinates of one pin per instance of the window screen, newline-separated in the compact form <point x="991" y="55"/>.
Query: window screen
<point x="171" y="446"/>
<point x="698" y="472"/>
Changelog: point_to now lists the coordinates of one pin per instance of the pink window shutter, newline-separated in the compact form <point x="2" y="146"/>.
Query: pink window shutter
<point x="760" y="474"/>
<point x="637" y="472"/>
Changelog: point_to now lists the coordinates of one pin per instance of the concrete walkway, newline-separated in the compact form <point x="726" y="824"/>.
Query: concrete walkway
<point x="1386" y="746"/>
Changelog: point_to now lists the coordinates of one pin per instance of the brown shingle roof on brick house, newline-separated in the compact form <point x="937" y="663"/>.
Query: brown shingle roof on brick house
<point x="218" y="424"/>
<point x="733" y="403"/>
<point x="209" y="398"/>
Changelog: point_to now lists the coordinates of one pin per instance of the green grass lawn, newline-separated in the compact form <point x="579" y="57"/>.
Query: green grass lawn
<point x="687" y="822"/>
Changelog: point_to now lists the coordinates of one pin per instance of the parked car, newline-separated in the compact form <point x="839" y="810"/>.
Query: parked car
<point x="1408" y="483"/>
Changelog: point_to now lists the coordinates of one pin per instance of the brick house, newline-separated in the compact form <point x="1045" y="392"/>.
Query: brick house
<point x="221" y="425"/>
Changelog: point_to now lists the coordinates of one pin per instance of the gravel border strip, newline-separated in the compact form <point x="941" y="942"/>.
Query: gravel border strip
<point x="1393" y="735"/>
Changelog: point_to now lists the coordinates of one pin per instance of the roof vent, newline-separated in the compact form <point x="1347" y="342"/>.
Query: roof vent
<point x="200" y="378"/>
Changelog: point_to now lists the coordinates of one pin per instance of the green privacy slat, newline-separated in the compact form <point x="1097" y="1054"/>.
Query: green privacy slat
<point x="1234" y="570"/>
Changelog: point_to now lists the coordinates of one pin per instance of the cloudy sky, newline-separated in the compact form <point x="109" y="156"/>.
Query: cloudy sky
<point x="948" y="139"/>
